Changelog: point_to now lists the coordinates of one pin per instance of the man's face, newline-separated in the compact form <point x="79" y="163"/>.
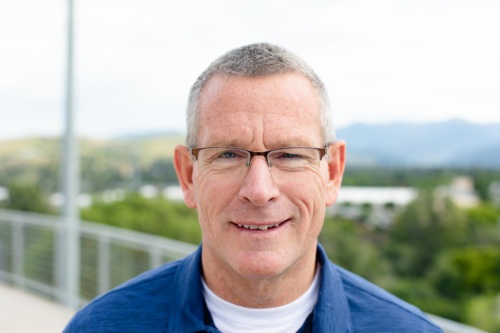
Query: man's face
<point x="260" y="114"/>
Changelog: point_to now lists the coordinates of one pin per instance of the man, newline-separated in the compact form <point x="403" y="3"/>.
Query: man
<point x="260" y="167"/>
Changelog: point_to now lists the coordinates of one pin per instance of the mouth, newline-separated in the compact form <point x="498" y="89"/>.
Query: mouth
<point x="262" y="227"/>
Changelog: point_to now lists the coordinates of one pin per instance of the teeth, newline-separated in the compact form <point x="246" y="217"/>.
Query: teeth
<point x="255" y="227"/>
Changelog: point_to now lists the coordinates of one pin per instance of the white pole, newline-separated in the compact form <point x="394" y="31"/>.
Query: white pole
<point x="71" y="270"/>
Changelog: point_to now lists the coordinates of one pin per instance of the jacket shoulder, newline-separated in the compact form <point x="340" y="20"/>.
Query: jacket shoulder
<point x="373" y="309"/>
<point x="138" y="305"/>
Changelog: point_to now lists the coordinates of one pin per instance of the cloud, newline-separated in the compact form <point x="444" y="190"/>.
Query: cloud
<point x="135" y="60"/>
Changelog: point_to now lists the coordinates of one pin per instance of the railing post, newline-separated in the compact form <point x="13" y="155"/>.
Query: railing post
<point x="71" y="183"/>
<point x="155" y="257"/>
<point x="18" y="252"/>
<point x="103" y="264"/>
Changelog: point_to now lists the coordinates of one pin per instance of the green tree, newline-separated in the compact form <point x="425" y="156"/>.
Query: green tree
<point x="421" y="232"/>
<point x="28" y="198"/>
<point x="484" y="214"/>
<point x="469" y="278"/>
<point x="484" y="312"/>
<point x="484" y="225"/>
<point x="469" y="271"/>
<point x="156" y="216"/>
<point x="160" y="171"/>
<point x="350" y="245"/>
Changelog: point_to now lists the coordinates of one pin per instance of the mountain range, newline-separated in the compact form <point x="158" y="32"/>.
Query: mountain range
<point x="448" y="144"/>
<point x="454" y="143"/>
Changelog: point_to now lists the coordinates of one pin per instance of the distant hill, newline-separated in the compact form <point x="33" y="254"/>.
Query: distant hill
<point x="123" y="162"/>
<point x="453" y="143"/>
<point x="149" y="146"/>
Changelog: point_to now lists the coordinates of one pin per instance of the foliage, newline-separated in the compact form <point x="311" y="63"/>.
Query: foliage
<point x="484" y="214"/>
<point x="347" y="244"/>
<point x="422" y="178"/>
<point x="484" y="311"/>
<point x="416" y="177"/>
<point x="103" y="164"/>
<point x="441" y="258"/>
<point x="160" y="171"/>
<point x="427" y="297"/>
<point x="445" y="258"/>
<point x="469" y="271"/>
<point x="424" y="229"/>
<point x="155" y="216"/>
<point x="27" y="198"/>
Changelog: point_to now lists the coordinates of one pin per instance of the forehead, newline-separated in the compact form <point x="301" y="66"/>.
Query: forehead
<point x="272" y="111"/>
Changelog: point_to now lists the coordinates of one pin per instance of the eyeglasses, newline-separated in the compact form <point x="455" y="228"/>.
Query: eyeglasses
<point x="285" y="161"/>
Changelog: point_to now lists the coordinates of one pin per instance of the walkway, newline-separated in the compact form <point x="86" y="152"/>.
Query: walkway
<point x="22" y="312"/>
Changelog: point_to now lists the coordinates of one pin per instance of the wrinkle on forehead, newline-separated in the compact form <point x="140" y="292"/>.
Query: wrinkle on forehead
<point x="259" y="113"/>
<point x="233" y="129"/>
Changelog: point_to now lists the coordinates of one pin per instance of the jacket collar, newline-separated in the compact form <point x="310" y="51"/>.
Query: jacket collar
<point x="332" y="312"/>
<point x="188" y="311"/>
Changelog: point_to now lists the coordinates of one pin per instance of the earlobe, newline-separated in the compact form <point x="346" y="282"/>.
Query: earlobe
<point x="184" y="168"/>
<point x="336" y="165"/>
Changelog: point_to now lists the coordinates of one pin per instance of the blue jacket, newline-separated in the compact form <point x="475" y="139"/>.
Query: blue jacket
<point x="170" y="299"/>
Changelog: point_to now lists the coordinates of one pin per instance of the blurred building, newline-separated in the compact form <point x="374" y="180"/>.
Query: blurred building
<point x="460" y="191"/>
<point x="376" y="206"/>
<point x="494" y="193"/>
<point x="4" y="193"/>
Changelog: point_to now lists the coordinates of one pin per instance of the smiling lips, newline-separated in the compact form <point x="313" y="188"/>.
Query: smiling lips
<point x="258" y="227"/>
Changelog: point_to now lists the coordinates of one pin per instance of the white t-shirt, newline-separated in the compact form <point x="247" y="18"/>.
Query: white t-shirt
<point x="229" y="318"/>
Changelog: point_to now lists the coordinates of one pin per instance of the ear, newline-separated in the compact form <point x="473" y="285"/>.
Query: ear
<point x="183" y="164"/>
<point x="336" y="165"/>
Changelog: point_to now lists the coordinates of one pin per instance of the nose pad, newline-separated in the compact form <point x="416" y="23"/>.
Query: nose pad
<point x="264" y="154"/>
<point x="250" y="160"/>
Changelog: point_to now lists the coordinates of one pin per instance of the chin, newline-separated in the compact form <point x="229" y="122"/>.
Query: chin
<point x="260" y="266"/>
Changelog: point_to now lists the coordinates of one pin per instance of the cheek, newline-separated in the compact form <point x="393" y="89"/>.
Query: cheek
<point x="310" y="197"/>
<point x="212" y="197"/>
<point x="312" y="191"/>
<point x="208" y="185"/>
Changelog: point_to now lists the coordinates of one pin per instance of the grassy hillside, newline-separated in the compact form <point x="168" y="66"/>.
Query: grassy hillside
<point x="103" y="163"/>
<point x="40" y="148"/>
<point x="153" y="148"/>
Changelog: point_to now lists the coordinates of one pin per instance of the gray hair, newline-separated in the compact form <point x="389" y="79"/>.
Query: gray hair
<point x="257" y="60"/>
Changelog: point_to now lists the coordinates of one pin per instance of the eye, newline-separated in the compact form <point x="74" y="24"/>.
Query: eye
<point x="293" y="157"/>
<point x="230" y="154"/>
<point x="227" y="154"/>
<point x="290" y="155"/>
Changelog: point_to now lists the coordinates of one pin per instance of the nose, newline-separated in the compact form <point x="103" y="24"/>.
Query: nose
<point x="258" y="186"/>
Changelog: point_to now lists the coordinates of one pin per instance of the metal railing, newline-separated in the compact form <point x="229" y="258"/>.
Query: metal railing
<point x="30" y="257"/>
<point x="32" y="245"/>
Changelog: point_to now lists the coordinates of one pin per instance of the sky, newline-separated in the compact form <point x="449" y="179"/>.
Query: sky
<point x="135" y="60"/>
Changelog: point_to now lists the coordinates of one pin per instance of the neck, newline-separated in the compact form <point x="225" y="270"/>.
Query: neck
<point x="260" y="292"/>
